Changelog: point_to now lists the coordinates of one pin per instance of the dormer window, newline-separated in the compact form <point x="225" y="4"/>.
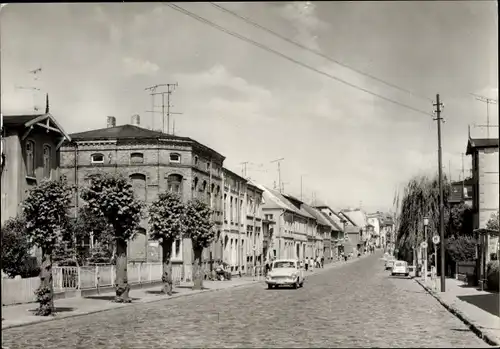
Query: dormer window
<point x="174" y="157"/>
<point x="137" y="158"/>
<point x="97" y="158"/>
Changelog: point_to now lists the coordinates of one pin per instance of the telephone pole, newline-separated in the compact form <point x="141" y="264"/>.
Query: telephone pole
<point x="488" y="101"/>
<point x="439" y="119"/>
<point x="279" y="171"/>
<point x="152" y="89"/>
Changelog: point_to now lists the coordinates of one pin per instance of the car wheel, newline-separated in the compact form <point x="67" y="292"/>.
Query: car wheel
<point x="407" y="275"/>
<point x="296" y="284"/>
<point x="269" y="286"/>
<point x="302" y="283"/>
<point x="392" y="274"/>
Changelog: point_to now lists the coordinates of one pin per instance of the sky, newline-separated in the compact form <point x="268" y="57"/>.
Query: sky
<point x="351" y="148"/>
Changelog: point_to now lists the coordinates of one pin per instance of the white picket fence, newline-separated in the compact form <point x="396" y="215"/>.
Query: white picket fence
<point x="19" y="291"/>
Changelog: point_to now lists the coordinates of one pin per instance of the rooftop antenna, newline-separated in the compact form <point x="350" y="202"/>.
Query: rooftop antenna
<point x="488" y="101"/>
<point x="152" y="90"/>
<point x="279" y="171"/>
<point x="35" y="73"/>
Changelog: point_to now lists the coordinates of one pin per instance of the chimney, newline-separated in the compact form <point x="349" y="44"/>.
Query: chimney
<point x="136" y="120"/>
<point x="111" y="121"/>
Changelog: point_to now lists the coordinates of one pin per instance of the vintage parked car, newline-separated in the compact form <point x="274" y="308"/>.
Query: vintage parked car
<point x="285" y="272"/>
<point x="389" y="263"/>
<point x="400" y="268"/>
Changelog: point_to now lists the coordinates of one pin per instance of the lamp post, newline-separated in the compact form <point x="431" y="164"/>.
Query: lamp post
<point x="426" y="225"/>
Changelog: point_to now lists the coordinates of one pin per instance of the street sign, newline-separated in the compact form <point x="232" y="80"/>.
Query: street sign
<point x="423" y="244"/>
<point x="435" y="239"/>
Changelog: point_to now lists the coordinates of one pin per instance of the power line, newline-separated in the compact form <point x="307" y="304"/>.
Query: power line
<point x="316" y="52"/>
<point x="266" y="48"/>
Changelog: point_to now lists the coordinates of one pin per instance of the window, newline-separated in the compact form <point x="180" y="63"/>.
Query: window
<point x="174" y="183"/>
<point x="208" y="166"/>
<point x="177" y="248"/>
<point x="174" y="157"/>
<point x="30" y="158"/>
<point x="46" y="161"/>
<point x="97" y="158"/>
<point x="195" y="160"/>
<point x="203" y="186"/>
<point x="225" y="206"/>
<point x="195" y="183"/>
<point x="136" y="158"/>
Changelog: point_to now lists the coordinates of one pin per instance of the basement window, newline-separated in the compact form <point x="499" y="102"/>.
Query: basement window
<point x="97" y="158"/>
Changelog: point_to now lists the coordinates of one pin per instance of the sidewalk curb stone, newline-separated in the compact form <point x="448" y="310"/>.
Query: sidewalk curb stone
<point x="476" y="329"/>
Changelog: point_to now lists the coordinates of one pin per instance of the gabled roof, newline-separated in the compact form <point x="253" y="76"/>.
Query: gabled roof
<point x="24" y="121"/>
<point x="336" y="226"/>
<point x="274" y="199"/>
<point x="298" y="204"/>
<point x="318" y="215"/>
<point x="347" y="218"/>
<point x="357" y="216"/>
<point x="481" y="143"/>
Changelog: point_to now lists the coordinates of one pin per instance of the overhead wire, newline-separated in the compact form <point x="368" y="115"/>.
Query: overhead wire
<point x="293" y="60"/>
<point x="318" y="53"/>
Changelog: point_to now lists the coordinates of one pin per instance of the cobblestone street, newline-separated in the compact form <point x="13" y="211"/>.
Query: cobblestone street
<point x="355" y="305"/>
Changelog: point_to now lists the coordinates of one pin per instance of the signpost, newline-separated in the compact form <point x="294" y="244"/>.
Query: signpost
<point x="435" y="240"/>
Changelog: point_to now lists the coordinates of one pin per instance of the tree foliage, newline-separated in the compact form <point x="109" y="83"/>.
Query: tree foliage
<point x="493" y="222"/>
<point x="461" y="248"/>
<point x="16" y="249"/>
<point x="166" y="216"/>
<point x="461" y="220"/>
<point x="45" y="212"/>
<point x="421" y="198"/>
<point x="198" y="224"/>
<point x="112" y="197"/>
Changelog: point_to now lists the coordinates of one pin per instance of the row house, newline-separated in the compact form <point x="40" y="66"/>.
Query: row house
<point x="255" y="226"/>
<point x="324" y="233"/>
<point x="485" y="196"/>
<point x="338" y="231"/>
<point x="234" y="244"/>
<point x="155" y="162"/>
<point x="387" y="233"/>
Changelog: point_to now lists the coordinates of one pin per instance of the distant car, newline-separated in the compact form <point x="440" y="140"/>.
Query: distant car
<point x="389" y="264"/>
<point x="285" y="272"/>
<point x="400" y="268"/>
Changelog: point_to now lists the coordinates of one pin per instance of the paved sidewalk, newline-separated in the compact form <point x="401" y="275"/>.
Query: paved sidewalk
<point x="474" y="307"/>
<point x="19" y="315"/>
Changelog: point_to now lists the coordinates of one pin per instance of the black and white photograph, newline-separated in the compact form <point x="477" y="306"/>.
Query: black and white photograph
<point x="286" y="174"/>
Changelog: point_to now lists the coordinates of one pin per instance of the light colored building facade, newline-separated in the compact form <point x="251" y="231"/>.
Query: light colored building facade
<point x="338" y="236"/>
<point x="485" y="192"/>
<point x="30" y="153"/>
<point x="154" y="162"/>
<point x="323" y="233"/>
<point x="255" y="253"/>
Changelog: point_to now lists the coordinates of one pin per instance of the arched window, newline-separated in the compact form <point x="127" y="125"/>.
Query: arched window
<point x="30" y="158"/>
<point x="174" y="157"/>
<point x="213" y="188"/>
<point x="203" y="186"/>
<point x="136" y="158"/>
<point x="47" y="164"/>
<point x="139" y="185"/>
<point x="217" y="192"/>
<point x="195" y="160"/>
<point x="174" y="183"/>
<point x="97" y="158"/>
<point x="195" y="183"/>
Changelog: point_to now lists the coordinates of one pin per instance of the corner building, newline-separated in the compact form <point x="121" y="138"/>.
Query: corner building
<point x="154" y="162"/>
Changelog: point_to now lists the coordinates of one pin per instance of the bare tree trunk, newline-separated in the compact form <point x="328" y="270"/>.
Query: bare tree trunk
<point x="197" y="269"/>
<point x="122" y="287"/>
<point x="45" y="293"/>
<point x="167" y="267"/>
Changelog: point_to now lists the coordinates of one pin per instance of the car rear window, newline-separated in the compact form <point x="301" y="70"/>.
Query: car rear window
<point x="400" y="264"/>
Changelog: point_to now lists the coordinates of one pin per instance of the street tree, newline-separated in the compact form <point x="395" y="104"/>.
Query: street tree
<point x="112" y="196"/>
<point x="421" y="198"/>
<point x="16" y="249"/>
<point x="45" y="212"/>
<point x="166" y="216"/>
<point x="198" y="226"/>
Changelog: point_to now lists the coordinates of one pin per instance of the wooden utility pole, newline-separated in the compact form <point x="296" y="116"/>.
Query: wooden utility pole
<point x="488" y="101"/>
<point x="279" y="172"/>
<point x="438" y="118"/>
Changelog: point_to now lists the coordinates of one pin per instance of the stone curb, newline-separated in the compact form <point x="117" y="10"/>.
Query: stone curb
<point x="474" y="328"/>
<point x="123" y="305"/>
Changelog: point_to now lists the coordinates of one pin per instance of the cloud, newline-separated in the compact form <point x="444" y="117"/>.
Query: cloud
<point x="135" y="66"/>
<point x="302" y="15"/>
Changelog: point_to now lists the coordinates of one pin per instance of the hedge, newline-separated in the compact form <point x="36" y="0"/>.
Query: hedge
<point x="492" y="275"/>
